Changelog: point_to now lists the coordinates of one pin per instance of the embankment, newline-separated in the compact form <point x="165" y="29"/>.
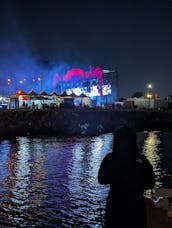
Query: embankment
<point x="77" y="122"/>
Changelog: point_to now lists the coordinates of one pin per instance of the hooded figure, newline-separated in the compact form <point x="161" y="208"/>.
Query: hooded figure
<point x="129" y="173"/>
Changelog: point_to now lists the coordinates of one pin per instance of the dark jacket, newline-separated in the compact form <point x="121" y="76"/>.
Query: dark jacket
<point x="128" y="180"/>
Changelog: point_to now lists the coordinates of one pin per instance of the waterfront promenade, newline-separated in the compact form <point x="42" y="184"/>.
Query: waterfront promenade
<point x="157" y="218"/>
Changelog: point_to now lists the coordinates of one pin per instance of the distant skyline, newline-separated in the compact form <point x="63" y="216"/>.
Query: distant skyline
<point x="133" y="36"/>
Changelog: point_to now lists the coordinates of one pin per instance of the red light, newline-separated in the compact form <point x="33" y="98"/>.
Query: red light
<point x="25" y="98"/>
<point x="19" y="92"/>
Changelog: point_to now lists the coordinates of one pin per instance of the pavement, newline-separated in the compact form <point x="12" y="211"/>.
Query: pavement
<point x="157" y="217"/>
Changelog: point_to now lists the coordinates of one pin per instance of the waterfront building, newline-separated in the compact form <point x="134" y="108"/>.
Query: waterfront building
<point x="98" y="84"/>
<point x="32" y="100"/>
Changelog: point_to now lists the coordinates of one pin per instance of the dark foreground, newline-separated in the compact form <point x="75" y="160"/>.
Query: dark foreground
<point x="52" y="181"/>
<point x="79" y="122"/>
<point x="157" y="218"/>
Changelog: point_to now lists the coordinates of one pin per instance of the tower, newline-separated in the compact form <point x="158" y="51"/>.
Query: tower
<point x="111" y="76"/>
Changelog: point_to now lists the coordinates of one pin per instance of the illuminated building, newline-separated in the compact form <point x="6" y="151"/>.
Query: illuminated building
<point x="98" y="84"/>
<point x="32" y="100"/>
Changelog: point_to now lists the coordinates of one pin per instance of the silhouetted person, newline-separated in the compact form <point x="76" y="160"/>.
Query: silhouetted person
<point x="129" y="173"/>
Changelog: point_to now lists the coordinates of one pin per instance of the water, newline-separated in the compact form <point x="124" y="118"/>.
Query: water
<point x="52" y="182"/>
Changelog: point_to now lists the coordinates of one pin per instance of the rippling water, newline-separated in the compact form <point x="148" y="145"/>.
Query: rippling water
<point x="52" y="182"/>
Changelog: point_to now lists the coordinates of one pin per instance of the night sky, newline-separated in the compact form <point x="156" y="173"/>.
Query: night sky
<point x="133" y="36"/>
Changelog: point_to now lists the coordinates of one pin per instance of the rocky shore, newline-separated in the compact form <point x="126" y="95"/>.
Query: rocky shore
<point x="79" y="122"/>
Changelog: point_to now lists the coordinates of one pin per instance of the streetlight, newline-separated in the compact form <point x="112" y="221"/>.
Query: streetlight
<point x="149" y="94"/>
<point x="40" y="79"/>
<point x="149" y="86"/>
<point x="149" y="97"/>
<point x="9" y="81"/>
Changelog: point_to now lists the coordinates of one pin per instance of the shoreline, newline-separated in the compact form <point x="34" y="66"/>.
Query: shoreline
<point x="79" y="122"/>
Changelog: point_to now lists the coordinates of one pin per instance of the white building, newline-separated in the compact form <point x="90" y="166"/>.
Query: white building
<point x="32" y="100"/>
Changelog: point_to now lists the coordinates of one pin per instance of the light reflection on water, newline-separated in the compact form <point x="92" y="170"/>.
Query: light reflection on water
<point x="150" y="149"/>
<point x="52" y="182"/>
<point x="154" y="151"/>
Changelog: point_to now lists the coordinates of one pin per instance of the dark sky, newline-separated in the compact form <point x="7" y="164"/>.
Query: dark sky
<point x="134" y="36"/>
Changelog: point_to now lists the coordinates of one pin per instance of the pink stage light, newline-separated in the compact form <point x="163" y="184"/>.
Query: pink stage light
<point x="76" y="74"/>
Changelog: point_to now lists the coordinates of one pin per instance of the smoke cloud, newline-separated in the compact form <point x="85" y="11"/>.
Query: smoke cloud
<point x="21" y="67"/>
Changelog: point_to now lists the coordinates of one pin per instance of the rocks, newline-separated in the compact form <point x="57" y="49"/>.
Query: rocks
<point x="79" y="122"/>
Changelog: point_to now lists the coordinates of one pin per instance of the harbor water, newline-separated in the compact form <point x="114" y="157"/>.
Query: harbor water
<point x="52" y="182"/>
